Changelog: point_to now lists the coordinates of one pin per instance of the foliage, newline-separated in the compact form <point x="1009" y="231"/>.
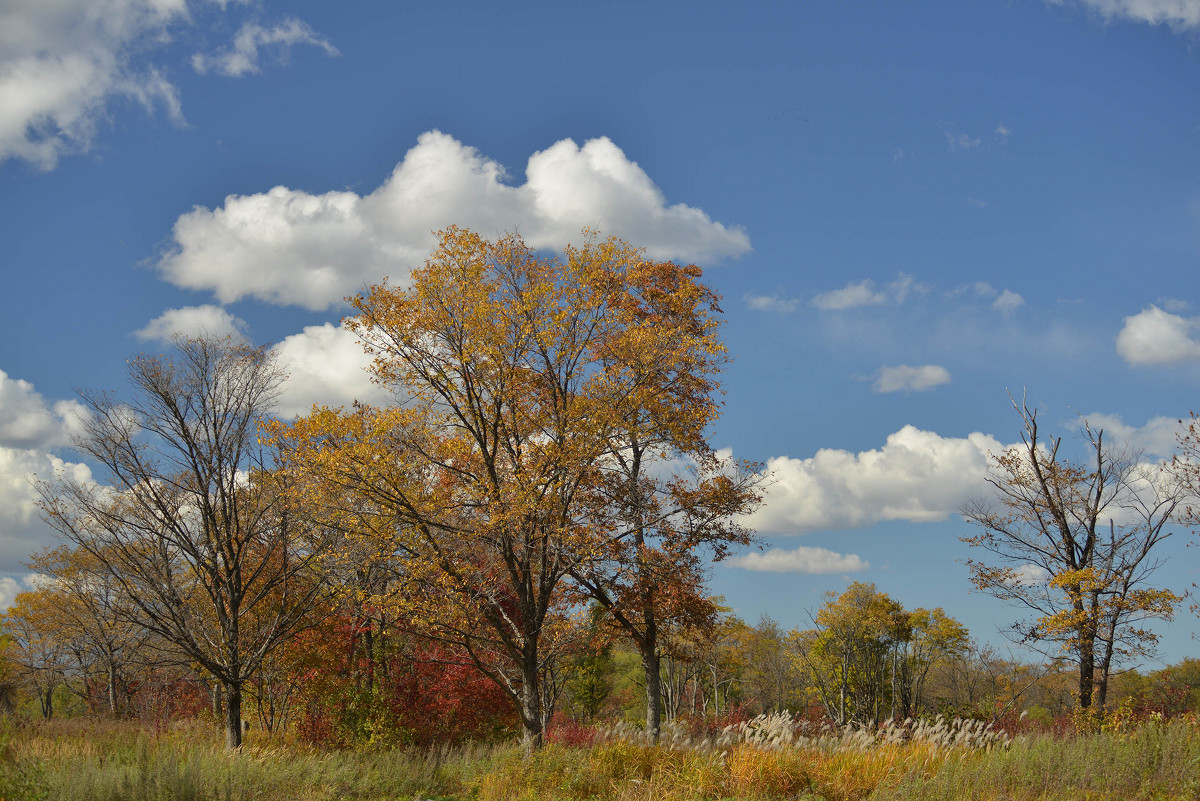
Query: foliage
<point x="1076" y="543"/>
<point x="868" y="659"/>
<point x="527" y="377"/>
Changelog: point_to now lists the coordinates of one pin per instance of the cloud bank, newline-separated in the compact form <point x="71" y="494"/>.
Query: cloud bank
<point x="29" y="427"/>
<point x="291" y="247"/>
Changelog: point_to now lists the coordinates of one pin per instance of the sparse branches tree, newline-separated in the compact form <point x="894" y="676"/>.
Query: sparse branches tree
<point x="194" y="527"/>
<point x="1076" y="543"/>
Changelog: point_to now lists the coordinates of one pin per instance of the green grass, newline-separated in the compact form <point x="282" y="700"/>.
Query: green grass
<point x="108" y="761"/>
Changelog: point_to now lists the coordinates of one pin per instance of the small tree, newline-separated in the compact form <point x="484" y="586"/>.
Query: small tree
<point x="194" y="528"/>
<point x="1076" y="543"/>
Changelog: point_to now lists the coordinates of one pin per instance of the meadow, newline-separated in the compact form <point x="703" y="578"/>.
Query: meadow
<point x="767" y="758"/>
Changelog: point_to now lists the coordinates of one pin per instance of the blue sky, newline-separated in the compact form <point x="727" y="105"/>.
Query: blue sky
<point x="910" y="211"/>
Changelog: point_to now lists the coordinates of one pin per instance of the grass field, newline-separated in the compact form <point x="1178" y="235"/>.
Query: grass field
<point x="107" y="761"/>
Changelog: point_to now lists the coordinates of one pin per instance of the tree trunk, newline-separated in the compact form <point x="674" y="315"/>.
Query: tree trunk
<point x="233" y="716"/>
<point x="651" y="663"/>
<point x="47" y="702"/>
<point x="532" y="735"/>
<point x="216" y="699"/>
<point x="112" y="690"/>
<point x="1087" y="672"/>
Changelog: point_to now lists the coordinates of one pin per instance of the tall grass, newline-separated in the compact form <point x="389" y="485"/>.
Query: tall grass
<point x="765" y="759"/>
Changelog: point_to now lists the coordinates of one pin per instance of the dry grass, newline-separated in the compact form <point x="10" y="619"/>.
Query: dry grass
<point x="771" y="758"/>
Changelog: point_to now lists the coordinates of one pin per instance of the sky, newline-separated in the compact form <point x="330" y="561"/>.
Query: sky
<point x="913" y="212"/>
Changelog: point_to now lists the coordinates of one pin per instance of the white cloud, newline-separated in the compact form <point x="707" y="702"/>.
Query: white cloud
<point x="977" y="203"/>
<point x="13" y="585"/>
<point x="28" y="421"/>
<point x="192" y="321"/>
<point x="1177" y="14"/>
<point x="917" y="476"/>
<point x="1002" y="133"/>
<point x="1008" y="302"/>
<point x="21" y="529"/>
<point x="962" y="141"/>
<point x="290" y="247"/>
<point x="1158" y="437"/>
<point x="241" y="57"/>
<point x="1154" y="336"/>
<point x="865" y="293"/>
<point x="904" y="378"/>
<point x="810" y="561"/>
<point x="772" y="303"/>
<point x="326" y="366"/>
<point x="61" y="62"/>
<point x="1029" y="575"/>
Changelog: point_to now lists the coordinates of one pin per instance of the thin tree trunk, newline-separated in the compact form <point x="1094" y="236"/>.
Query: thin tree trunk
<point x="112" y="689"/>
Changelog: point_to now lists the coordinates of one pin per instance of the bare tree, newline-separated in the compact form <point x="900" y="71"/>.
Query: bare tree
<point x="1076" y="543"/>
<point x="194" y="526"/>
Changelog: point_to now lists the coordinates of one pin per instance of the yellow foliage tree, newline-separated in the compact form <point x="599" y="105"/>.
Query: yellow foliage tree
<point x="522" y="381"/>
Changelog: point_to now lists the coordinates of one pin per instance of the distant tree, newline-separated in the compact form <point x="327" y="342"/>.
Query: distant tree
<point x="41" y="644"/>
<point x="194" y="528"/>
<point x="1076" y="543"/>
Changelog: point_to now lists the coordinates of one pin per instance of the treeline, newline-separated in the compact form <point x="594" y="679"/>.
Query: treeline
<point x="361" y="678"/>
<point x="524" y="531"/>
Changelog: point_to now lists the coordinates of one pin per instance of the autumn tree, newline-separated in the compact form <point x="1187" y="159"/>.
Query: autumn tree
<point x="194" y="528"/>
<point x="83" y="609"/>
<point x="38" y="646"/>
<point x="672" y="503"/>
<point x="1076" y="543"/>
<point x="497" y="478"/>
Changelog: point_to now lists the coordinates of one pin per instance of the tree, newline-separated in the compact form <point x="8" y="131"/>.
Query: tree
<point x="1076" y="543"/>
<point x="494" y="481"/>
<point x="671" y="500"/>
<point x="194" y="529"/>
<point x="848" y="656"/>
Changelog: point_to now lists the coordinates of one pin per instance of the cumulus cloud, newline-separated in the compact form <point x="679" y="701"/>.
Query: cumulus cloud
<point x="865" y="293"/>
<point x="1008" y="301"/>
<point x="904" y="378"/>
<point x="772" y="303"/>
<point x="27" y="420"/>
<point x="326" y="367"/>
<point x="21" y="529"/>
<point x="61" y="62"/>
<point x="1178" y="14"/>
<point x="192" y="321"/>
<point x="804" y="559"/>
<point x="242" y="56"/>
<point x="287" y="246"/>
<point x="917" y="476"/>
<point x="1158" y="437"/>
<point x="1154" y="336"/>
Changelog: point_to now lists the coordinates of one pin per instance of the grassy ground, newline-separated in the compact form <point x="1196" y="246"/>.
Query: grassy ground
<point x="82" y="761"/>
